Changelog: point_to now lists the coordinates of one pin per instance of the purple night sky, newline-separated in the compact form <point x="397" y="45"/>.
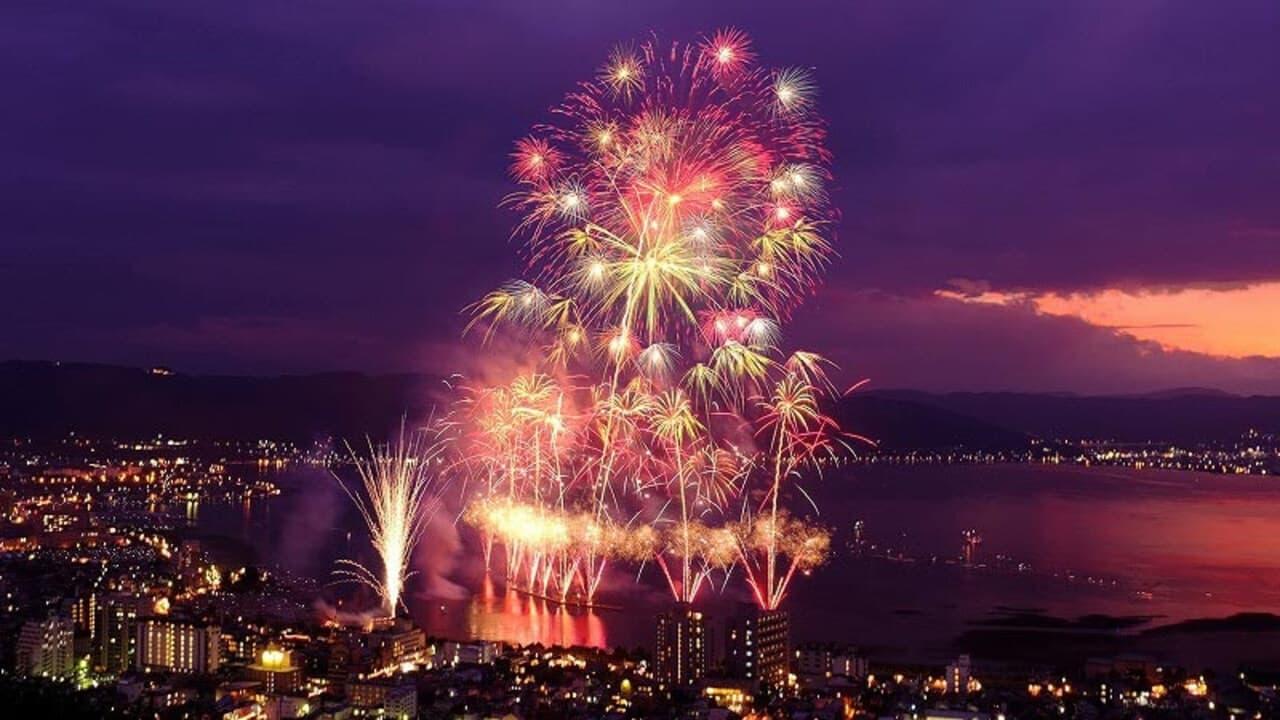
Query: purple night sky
<point x="1034" y="195"/>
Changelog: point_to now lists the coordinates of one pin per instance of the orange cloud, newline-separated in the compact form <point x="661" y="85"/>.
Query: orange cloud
<point x="1236" y="322"/>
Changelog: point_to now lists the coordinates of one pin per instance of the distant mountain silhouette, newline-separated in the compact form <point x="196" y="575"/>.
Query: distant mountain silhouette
<point x="902" y="424"/>
<point x="1184" y="415"/>
<point x="1182" y="392"/>
<point x="44" y="399"/>
<point x="51" y="399"/>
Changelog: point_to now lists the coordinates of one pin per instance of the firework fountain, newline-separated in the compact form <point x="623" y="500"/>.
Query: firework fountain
<point x="398" y="493"/>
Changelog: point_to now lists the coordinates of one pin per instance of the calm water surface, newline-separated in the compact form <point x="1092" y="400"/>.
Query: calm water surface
<point x="1068" y="541"/>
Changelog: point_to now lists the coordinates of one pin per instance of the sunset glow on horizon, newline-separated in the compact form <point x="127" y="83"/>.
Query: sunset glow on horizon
<point x="1237" y="321"/>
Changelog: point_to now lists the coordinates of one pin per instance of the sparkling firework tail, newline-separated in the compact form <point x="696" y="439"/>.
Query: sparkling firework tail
<point x="398" y="494"/>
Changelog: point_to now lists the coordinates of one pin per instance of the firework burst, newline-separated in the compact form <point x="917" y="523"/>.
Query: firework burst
<point x="673" y="214"/>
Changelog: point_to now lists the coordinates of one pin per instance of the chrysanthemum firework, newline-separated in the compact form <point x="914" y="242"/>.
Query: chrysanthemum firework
<point x="683" y="182"/>
<point x="673" y="214"/>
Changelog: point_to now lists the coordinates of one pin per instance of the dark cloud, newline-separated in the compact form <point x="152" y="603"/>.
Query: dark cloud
<point x="267" y="185"/>
<point x="935" y="343"/>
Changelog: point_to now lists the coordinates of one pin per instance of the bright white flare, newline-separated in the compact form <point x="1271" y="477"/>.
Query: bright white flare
<point x="400" y="492"/>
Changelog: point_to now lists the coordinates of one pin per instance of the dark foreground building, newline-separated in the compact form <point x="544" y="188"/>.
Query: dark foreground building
<point x="758" y="645"/>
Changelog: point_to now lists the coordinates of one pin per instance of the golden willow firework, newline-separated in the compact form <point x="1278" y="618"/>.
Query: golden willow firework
<point x="673" y="215"/>
<point x="398" y="493"/>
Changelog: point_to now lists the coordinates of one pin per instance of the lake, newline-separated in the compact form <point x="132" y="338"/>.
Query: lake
<point x="1063" y="540"/>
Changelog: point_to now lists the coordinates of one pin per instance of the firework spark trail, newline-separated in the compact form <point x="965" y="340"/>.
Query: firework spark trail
<point x="674" y="213"/>
<point x="398" y="493"/>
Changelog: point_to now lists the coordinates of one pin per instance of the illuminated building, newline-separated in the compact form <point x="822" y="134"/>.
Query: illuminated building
<point x="173" y="645"/>
<point x="276" y="671"/>
<point x="393" y="698"/>
<point x="44" y="648"/>
<point x="236" y="692"/>
<point x="251" y="701"/>
<point x="850" y="665"/>
<point x="84" y="613"/>
<point x="399" y="644"/>
<point x="681" y="648"/>
<point x="480" y="652"/>
<point x="959" y="675"/>
<point x="116" y="626"/>
<point x="242" y="644"/>
<point x="757" y="645"/>
<point x="828" y="660"/>
<point x="733" y="696"/>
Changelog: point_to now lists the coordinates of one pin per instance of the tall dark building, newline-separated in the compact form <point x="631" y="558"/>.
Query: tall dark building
<point x="115" y="628"/>
<point x="84" y="613"/>
<point x="681" y="648"/>
<point x="758" y="645"/>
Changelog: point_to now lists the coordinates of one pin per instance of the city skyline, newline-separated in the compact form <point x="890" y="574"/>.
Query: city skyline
<point x="1053" y="199"/>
